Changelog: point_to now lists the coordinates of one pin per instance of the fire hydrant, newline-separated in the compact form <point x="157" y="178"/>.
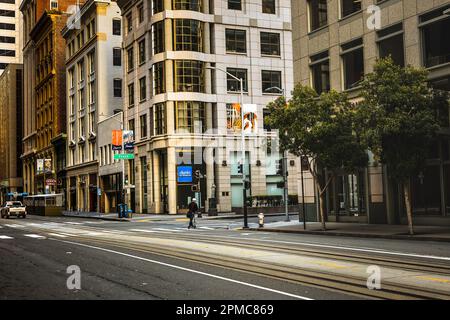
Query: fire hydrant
<point x="261" y="219"/>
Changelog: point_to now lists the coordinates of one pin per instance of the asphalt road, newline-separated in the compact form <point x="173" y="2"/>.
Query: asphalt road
<point x="121" y="260"/>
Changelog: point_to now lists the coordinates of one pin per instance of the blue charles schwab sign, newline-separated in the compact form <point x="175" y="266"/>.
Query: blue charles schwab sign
<point x="184" y="174"/>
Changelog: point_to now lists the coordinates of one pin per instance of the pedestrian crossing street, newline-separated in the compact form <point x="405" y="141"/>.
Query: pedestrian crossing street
<point x="66" y="229"/>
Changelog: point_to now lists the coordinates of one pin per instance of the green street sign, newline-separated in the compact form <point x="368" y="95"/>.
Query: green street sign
<point x="124" y="156"/>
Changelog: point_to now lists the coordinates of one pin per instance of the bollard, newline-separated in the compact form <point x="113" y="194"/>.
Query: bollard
<point x="261" y="219"/>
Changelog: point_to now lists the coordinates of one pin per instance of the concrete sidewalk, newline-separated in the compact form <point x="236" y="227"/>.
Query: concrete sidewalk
<point x="156" y="217"/>
<point x="428" y="233"/>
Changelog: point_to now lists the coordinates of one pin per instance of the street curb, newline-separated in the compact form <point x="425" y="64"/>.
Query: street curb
<point x="100" y="218"/>
<point x="354" y="235"/>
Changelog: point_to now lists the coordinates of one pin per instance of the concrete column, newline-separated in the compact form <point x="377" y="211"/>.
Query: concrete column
<point x="156" y="183"/>
<point x="170" y="114"/>
<point x="172" y="180"/>
<point x="209" y="175"/>
<point x="168" y="35"/>
<point x="167" y="4"/>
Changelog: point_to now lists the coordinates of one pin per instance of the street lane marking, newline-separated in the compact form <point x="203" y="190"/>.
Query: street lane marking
<point x="188" y="270"/>
<point x="35" y="236"/>
<point x="440" y="280"/>
<point x="75" y="223"/>
<point x="142" y="230"/>
<point x="57" y="235"/>
<point x="170" y="230"/>
<point x="183" y="219"/>
<point x="6" y="237"/>
<point x="330" y="264"/>
<point x="206" y="228"/>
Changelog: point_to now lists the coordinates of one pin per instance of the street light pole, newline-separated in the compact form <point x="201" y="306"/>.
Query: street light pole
<point x="285" y="172"/>
<point x="244" y="191"/>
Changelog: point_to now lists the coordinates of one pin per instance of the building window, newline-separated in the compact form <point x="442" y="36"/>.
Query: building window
<point x="142" y="52"/>
<point x="193" y="5"/>
<point x="190" y="116"/>
<point x="131" y="95"/>
<point x="234" y="85"/>
<point x="390" y="43"/>
<point x="236" y="41"/>
<point x="270" y="44"/>
<point x="160" y="118"/>
<point x="142" y="89"/>
<point x="158" y="37"/>
<point x="235" y="4"/>
<point x="140" y="9"/>
<point x="350" y="6"/>
<point x="320" y="72"/>
<point x="158" y="78"/>
<point x="53" y="4"/>
<point x="117" y="27"/>
<point x="158" y="6"/>
<point x="268" y="6"/>
<point x="131" y="126"/>
<point x="129" y="19"/>
<point x="188" y="76"/>
<point x="143" y="123"/>
<point x="271" y="81"/>
<point x="318" y="14"/>
<point x="353" y="62"/>
<point x="188" y="35"/>
<point x="118" y="88"/>
<point x="130" y="58"/>
<point x="117" y="57"/>
<point x="436" y="46"/>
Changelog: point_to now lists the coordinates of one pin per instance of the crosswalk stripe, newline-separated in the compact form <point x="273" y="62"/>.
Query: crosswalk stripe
<point x="14" y="226"/>
<point x="206" y="228"/>
<point x="5" y="237"/>
<point x="75" y="223"/>
<point x="35" y="236"/>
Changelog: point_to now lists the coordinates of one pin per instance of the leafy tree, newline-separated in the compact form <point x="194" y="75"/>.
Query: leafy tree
<point x="398" y="119"/>
<point x="321" y="128"/>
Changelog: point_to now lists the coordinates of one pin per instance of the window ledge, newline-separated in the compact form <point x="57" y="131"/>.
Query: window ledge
<point x="312" y="33"/>
<point x="350" y="15"/>
<point x="271" y="56"/>
<point x="236" y="53"/>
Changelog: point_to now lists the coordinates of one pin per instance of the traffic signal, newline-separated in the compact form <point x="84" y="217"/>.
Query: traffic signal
<point x="280" y="169"/>
<point x="240" y="169"/>
<point x="280" y="185"/>
<point x="247" y="184"/>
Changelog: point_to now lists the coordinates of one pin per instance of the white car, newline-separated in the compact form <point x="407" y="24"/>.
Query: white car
<point x="13" y="208"/>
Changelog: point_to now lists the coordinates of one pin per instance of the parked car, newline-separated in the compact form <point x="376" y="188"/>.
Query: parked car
<point x="13" y="208"/>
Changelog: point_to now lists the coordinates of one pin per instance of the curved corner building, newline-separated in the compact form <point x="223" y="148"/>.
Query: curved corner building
<point x="183" y="107"/>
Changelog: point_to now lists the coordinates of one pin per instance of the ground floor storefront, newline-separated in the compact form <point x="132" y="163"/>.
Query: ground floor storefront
<point x="82" y="188"/>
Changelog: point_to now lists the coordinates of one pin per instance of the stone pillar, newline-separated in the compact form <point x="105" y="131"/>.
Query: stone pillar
<point x="172" y="180"/>
<point x="156" y="182"/>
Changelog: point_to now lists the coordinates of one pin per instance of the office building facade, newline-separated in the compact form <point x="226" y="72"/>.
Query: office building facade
<point x="336" y="42"/>
<point x="182" y="100"/>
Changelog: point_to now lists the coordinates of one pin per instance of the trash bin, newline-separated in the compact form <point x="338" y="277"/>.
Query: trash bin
<point x="120" y="210"/>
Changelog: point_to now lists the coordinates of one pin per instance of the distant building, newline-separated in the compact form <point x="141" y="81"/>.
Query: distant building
<point x="110" y="171"/>
<point x="44" y="93"/>
<point x="11" y="101"/>
<point x="10" y="33"/>
<point x="93" y="93"/>
<point x="336" y="42"/>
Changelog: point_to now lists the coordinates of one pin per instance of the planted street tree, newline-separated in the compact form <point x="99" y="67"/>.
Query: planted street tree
<point x="321" y="128"/>
<point x="399" y="119"/>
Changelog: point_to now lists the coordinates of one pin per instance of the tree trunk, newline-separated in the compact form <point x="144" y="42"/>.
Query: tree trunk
<point x="322" y="209"/>
<point x="406" y="192"/>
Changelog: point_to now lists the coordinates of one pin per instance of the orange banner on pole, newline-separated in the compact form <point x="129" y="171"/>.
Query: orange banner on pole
<point x="117" y="139"/>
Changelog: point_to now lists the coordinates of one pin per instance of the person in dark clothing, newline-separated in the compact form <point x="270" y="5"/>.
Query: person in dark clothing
<point x="193" y="208"/>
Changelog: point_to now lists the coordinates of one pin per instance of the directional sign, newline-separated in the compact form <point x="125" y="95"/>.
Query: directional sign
<point x="124" y="156"/>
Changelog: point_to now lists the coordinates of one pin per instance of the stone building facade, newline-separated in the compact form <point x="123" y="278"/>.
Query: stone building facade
<point x="335" y="43"/>
<point x="181" y="102"/>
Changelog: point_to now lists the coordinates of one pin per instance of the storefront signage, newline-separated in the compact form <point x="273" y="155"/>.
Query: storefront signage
<point x="184" y="174"/>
